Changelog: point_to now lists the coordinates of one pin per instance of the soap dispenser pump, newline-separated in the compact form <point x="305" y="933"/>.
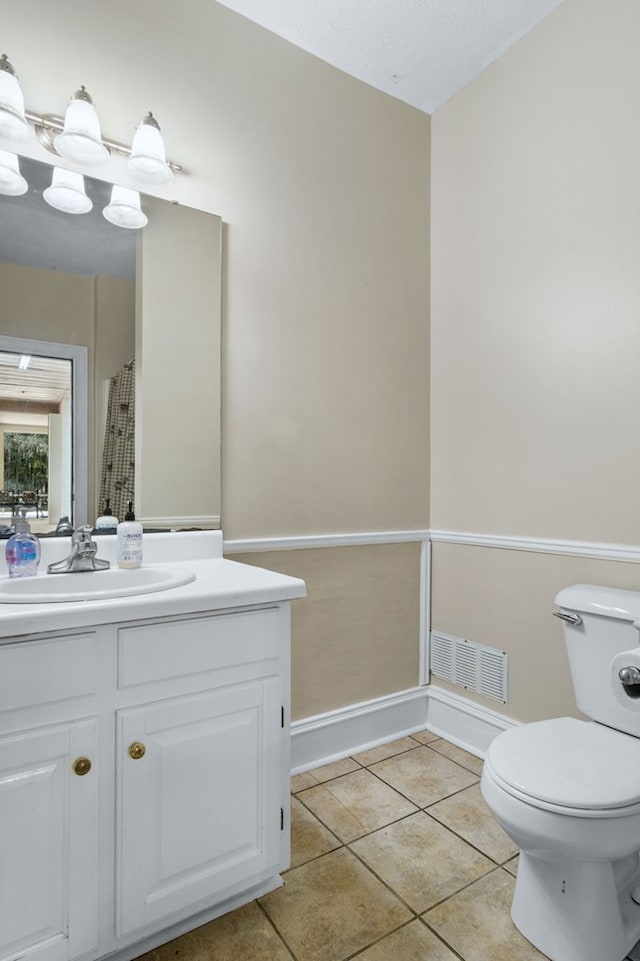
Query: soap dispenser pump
<point x="23" y="549"/>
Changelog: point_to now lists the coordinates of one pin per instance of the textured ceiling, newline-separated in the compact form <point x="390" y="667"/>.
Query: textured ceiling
<point x="420" y="51"/>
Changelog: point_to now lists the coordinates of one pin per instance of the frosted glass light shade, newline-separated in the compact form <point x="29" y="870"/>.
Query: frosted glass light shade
<point x="81" y="140"/>
<point x="124" y="209"/>
<point x="67" y="193"/>
<point x="13" y="123"/>
<point x="12" y="183"/>
<point x="148" y="161"/>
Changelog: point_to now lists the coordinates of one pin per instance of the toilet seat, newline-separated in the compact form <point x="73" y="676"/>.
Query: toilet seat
<point x="569" y="766"/>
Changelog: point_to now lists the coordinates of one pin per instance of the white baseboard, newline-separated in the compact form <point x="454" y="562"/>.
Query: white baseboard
<point x="329" y="737"/>
<point x="465" y="723"/>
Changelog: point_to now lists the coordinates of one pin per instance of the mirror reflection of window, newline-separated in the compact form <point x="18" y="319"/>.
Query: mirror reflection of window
<point x="36" y="434"/>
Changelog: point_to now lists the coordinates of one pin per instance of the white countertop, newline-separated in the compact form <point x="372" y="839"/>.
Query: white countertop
<point x="218" y="584"/>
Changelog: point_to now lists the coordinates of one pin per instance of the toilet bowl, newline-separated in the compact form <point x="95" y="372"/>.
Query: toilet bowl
<point x="567" y="792"/>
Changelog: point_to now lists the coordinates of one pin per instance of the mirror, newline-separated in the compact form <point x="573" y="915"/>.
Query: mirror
<point x="146" y="301"/>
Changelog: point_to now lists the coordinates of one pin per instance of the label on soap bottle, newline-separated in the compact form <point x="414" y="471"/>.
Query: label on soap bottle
<point x="129" y="545"/>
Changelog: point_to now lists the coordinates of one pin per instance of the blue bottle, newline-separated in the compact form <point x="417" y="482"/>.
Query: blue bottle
<point x="23" y="550"/>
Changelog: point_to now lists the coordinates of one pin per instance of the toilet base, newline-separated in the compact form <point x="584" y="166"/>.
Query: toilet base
<point x="577" y="910"/>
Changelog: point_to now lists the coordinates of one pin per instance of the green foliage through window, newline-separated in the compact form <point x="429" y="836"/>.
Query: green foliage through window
<point x="26" y="462"/>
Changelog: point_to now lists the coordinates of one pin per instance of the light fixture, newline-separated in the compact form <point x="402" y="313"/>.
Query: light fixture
<point x="77" y="137"/>
<point x="81" y="140"/>
<point x="24" y="362"/>
<point x="12" y="183"/>
<point x="147" y="161"/>
<point x="13" y="123"/>
<point x="67" y="192"/>
<point x="124" y="209"/>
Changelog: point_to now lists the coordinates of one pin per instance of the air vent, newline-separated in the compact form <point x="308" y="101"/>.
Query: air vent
<point x="470" y="665"/>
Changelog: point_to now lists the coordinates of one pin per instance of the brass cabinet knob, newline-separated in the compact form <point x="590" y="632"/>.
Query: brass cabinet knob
<point x="81" y="765"/>
<point x="137" y="750"/>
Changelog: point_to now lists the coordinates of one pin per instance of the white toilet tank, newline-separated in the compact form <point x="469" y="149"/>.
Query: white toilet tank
<point x="605" y="631"/>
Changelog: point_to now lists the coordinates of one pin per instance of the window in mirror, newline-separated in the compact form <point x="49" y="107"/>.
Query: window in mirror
<point x="40" y="386"/>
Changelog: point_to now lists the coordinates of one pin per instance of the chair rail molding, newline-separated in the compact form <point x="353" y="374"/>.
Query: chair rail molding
<point x="598" y="550"/>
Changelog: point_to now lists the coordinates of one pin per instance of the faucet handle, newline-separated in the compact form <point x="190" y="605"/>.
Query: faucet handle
<point x="82" y="535"/>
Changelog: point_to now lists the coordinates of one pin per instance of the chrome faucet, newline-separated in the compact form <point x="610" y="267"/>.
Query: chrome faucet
<point x="82" y="556"/>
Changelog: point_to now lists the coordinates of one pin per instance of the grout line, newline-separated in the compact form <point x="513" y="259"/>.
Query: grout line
<point x="271" y="922"/>
<point x="442" y="939"/>
<point x="382" y="881"/>
<point x="485" y="874"/>
<point x="361" y="951"/>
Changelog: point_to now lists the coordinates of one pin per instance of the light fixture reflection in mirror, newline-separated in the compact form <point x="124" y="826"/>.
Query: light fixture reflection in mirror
<point x="12" y="183"/>
<point x="67" y="193"/>
<point x="124" y="209"/>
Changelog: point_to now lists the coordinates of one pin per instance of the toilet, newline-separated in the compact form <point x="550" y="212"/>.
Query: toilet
<point x="567" y="791"/>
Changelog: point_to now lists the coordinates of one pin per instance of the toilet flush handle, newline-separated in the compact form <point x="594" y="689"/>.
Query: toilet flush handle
<point x="574" y="619"/>
<point x="630" y="676"/>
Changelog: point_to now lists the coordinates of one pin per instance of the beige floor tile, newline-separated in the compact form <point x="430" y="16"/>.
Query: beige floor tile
<point x="355" y="804"/>
<point x="457" y="754"/>
<point x="423" y="775"/>
<point x="414" y="942"/>
<point x="512" y="865"/>
<point x="382" y="751"/>
<point x="425" y="737"/>
<point x="301" y="781"/>
<point x="309" y="838"/>
<point x="467" y="814"/>
<point x="244" y="933"/>
<point x="421" y="860"/>
<point x="477" y="922"/>
<point x="332" y="907"/>
<point x="335" y="769"/>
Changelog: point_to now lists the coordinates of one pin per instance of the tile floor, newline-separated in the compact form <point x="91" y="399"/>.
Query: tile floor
<point x="395" y="857"/>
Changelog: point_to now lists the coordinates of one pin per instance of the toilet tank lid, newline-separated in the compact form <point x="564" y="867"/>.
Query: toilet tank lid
<point x="606" y="601"/>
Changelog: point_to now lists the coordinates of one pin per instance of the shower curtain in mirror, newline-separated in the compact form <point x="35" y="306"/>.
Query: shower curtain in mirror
<point x="118" y="457"/>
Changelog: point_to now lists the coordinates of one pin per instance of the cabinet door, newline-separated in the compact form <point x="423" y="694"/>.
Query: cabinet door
<point x="199" y="811"/>
<point x="47" y="844"/>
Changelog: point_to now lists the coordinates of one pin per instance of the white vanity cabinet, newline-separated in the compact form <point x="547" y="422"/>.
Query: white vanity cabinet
<point x="201" y="797"/>
<point x="144" y="769"/>
<point x="48" y="798"/>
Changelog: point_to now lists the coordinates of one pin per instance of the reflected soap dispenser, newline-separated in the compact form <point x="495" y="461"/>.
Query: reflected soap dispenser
<point x="107" y="523"/>
<point x="129" y="546"/>
<point x="23" y="550"/>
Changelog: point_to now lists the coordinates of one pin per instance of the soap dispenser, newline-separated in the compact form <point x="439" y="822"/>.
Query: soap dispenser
<point x="22" y="550"/>
<point x="107" y="522"/>
<point x="129" y="545"/>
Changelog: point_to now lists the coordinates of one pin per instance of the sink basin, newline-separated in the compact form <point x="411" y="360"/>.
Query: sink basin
<point x="91" y="585"/>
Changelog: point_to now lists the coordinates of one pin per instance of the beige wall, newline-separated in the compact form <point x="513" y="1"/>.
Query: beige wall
<point x="323" y="187"/>
<point x="535" y="333"/>
<point x="323" y="184"/>
<point x="536" y="288"/>
<point x="355" y="636"/>
<point x="505" y="598"/>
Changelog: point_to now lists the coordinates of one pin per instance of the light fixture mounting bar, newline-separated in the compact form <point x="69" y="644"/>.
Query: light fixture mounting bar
<point x="46" y="124"/>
